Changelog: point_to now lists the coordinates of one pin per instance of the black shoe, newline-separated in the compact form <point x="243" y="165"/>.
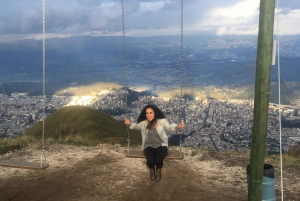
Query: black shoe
<point x="158" y="174"/>
<point x="152" y="174"/>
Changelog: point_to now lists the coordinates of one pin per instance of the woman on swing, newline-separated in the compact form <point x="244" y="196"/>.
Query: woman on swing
<point x="153" y="125"/>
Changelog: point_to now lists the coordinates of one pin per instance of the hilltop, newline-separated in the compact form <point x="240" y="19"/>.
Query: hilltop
<point x="103" y="173"/>
<point x="83" y="125"/>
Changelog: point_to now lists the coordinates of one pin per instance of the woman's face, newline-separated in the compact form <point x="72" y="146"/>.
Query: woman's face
<point x="149" y="114"/>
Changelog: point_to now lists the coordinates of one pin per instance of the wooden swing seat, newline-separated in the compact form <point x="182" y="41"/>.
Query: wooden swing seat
<point x="172" y="154"/>
<point x="23" y="165"/>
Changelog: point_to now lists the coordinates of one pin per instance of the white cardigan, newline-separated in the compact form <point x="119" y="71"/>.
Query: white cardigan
<point x="161" y="127"/>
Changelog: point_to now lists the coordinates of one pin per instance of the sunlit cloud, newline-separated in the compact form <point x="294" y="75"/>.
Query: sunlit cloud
<point x="289" y="23"/>
<point x="241" y="18"/>
<point x="242" y="9"/>
<point x="151" y="6"/>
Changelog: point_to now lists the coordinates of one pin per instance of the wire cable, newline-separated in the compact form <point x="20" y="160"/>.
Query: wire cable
<point x="279" y="97"/>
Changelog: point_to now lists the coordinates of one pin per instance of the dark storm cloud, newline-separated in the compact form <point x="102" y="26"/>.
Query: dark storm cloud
<point x="105" y="16"/>
<point x="77" y="16"/>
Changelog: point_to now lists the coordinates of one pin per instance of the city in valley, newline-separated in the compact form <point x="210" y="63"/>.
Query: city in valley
<point x="217" y="78"/>
<point x="210" y="124"/>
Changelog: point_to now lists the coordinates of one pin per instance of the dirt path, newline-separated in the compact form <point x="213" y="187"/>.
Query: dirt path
<point x="104" y="173"/>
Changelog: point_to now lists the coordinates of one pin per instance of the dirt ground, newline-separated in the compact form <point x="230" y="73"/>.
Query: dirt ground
<point x="104" y="173"/>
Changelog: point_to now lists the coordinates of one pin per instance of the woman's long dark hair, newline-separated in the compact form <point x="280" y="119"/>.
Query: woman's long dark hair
<point x="158" y="114"/>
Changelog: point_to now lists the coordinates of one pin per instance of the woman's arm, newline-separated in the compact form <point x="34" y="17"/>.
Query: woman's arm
<point x="171" y="127"/>
<point x="132" y="125"/>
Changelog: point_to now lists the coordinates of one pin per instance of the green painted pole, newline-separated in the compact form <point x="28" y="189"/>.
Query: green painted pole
<point x="261" y="99"/>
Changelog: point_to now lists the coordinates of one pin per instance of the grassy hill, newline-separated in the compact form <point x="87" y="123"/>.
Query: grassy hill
<point x="84" y="125"/>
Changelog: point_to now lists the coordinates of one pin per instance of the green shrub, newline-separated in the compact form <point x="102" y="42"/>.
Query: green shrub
<point x="294" y="151"/>
<point x="194" y="153"/>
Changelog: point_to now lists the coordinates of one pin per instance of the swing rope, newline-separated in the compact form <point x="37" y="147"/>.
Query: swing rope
<point x="181" y="72"/>
<point x="125" y="72"/>
<point x="44" y="83"/>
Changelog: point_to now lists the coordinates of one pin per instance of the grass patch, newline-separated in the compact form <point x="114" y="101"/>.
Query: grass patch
<point x="294" y="151"/>
<point x="12" y="144"/>
<point x="77" y="125"/>
<point x="194" y="153"/>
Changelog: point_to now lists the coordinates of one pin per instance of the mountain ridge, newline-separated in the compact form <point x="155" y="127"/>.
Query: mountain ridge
<point x="219" y="60"/>
<point x="290" y="91"/>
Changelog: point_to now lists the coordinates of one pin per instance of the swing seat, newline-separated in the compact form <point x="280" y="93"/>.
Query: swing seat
<point x="24" y="164"/>
<point x="172" y="154"/>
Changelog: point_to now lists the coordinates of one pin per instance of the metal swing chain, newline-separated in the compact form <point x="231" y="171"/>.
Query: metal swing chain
<point x="181" y="70"/>
<point x="125" y="72"/>
<point x="44" y="83"/>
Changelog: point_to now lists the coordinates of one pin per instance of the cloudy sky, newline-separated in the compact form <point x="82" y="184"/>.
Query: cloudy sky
<point x="23" y="18"/>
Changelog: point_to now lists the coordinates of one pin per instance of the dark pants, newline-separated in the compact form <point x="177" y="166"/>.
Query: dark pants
<point x="155" y="157"/>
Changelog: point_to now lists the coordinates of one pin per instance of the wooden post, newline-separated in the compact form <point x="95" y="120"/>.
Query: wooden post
<point x="261" y="99"/>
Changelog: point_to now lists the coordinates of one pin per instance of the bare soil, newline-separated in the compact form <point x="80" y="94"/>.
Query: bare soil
<point x="104" y="173"/>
